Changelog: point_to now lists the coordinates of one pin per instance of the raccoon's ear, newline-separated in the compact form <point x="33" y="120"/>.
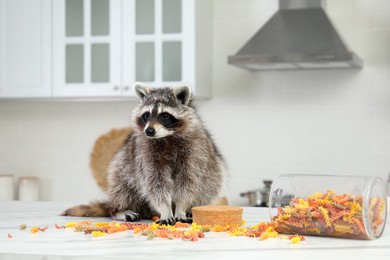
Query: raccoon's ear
<point x="141" y="90"/>
<point x="182" y="94"/>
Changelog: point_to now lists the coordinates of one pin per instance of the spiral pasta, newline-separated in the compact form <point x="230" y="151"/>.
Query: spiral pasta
<point x="329" y="214"/>
<point x="117" y="228"/>
<point x="185" y="232"/>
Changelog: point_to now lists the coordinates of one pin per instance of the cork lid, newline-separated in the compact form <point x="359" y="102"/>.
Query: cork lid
<point x="217" y="208"/>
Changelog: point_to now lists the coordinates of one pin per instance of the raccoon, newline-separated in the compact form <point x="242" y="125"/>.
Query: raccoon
<point x="167" y="165"/>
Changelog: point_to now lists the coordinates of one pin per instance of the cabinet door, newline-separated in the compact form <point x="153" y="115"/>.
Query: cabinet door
<point x="25" y="48"/>
<point x="158" y="41"/>
<point x="86" y="48"/>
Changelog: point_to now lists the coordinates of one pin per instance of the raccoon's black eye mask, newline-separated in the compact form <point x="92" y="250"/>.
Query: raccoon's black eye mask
<point x="164" y="118"/>
<point x="167" y="119"/>
<point x="145" y="116"/>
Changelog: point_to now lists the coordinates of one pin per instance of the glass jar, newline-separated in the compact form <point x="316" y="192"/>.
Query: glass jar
<point x="28" y="188"/>
<point x="6" y="187"/>
<point x="329" y="205"/>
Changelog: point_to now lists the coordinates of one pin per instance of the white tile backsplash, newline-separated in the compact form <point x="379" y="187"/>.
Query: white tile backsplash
<point x="265" y="123"/>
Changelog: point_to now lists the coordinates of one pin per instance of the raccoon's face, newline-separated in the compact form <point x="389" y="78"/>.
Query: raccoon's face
<point x="157" y="122"/>
<point x="160" y="112"/>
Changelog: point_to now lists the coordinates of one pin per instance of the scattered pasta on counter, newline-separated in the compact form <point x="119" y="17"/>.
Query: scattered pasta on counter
<point x="98" y="234"/>
<point x="70" y="224"/>
<point x="43" y="229"/>
<point x="181" y="225"/>
<point x="22" y="227"/>
<point x="59" y="226"/>
<point x="295" y="239"/>
<point x="34" y="230"/>
<point x="182" y="231"/>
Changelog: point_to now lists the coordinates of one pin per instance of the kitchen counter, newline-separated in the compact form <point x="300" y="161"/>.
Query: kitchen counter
<point x="66" y="244"/>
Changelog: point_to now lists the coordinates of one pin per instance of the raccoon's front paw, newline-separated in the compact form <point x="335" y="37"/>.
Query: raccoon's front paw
<point x="132" y="217"/>
<point x="184" y="220"/>
<point x="184" y="217"/>
<point x="166" y="221"/>
<point x="127" y="215"/>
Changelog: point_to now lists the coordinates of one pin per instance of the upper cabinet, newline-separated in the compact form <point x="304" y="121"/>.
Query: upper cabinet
<point x="101" y="47"/>
<point x="86" y="48"/>
<point x="25" y="48"/>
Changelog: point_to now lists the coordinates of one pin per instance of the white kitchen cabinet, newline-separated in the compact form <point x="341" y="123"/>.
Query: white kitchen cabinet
<point x="101" y="47"/>
<point x="86" y="48"/>
<point x="25" y="48"/>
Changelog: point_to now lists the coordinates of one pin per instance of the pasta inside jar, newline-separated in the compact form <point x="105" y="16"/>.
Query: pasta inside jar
<point x="329" y="213"/>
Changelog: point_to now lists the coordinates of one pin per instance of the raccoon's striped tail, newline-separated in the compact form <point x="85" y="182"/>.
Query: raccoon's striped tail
<point x="93" y="209"/>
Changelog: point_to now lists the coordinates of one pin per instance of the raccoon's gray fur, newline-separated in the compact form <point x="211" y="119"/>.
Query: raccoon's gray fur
<point x="168" y="164"/>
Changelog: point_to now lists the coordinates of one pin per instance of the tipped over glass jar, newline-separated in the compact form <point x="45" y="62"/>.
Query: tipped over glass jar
<point x="329" y="205"/>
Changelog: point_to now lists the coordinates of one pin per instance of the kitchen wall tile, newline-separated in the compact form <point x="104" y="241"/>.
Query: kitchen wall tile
<point x="375" y="7"/>
<point x="340" y="7"/>
<point x="349" y="22"/>
<point x="381" y="21"/>
<point x="377" y="128"/>
<point x="302" y="144"/>
<point x="331" y="161"/>
<point x="19" y="168"/>
<point x="317" y="128"/>
<point x="370" y="161"/>
<point x="6" y="156"/>
<point x="9" y="128"/>
<point x="382" y="143"/>
<point x="381" y="115"/>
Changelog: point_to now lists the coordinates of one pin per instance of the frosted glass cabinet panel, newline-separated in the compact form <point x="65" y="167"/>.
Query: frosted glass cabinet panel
<point x="100" y="61"/>
<point x="100" y="17"/>
<point x="86" y="48"/>
<point x="74" y="63"/>
<point x="171" y="16"/>
<point x="74" y="17"/>
<point x="144" y="16"/>
<point x="145" y="61"/>
<point x="171" y="59"/>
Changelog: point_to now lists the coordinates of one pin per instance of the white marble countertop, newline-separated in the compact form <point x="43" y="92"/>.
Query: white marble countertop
<point x="66" y="244"/>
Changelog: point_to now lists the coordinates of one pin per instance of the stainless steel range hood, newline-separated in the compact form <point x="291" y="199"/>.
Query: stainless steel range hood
<point x="298" y="36"/>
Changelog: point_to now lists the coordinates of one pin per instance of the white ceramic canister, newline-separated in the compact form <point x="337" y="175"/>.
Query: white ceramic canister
<point x="329" y="205"/>
<point x="28" y="188"/>
<point x="6" y="187"/>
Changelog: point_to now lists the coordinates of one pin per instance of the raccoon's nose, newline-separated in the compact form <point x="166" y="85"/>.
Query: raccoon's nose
<point x="150" y="131"/>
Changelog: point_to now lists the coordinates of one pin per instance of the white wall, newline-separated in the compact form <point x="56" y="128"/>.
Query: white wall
<point x="322" y="122"/>
<point x="266" y="123"/>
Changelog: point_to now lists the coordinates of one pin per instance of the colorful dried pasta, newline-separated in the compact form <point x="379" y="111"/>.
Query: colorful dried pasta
<point x="330" y="214"/>
<point x="182" y="231"/>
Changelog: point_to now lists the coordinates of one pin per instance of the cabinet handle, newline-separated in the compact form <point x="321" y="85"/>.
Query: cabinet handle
<point x="116" y="88"/>
<point x="126" y="88"/>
